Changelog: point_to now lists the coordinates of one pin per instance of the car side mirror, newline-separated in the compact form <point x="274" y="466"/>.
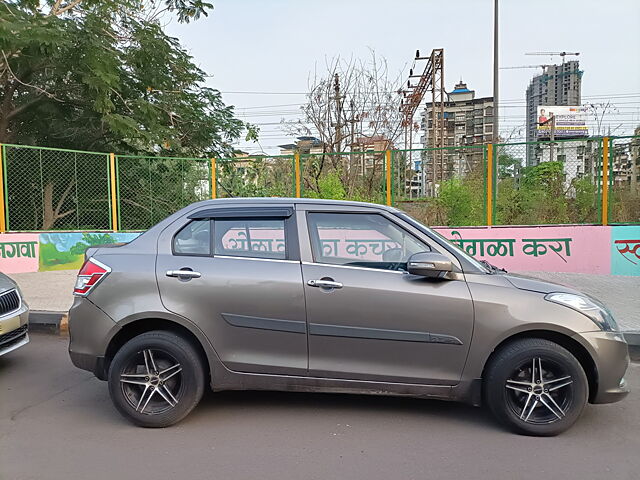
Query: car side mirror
<point x="428" y="264"/>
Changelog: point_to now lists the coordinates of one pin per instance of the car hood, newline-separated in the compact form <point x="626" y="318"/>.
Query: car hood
<point x="6" y="283"/>
<point x="524" y="282"/>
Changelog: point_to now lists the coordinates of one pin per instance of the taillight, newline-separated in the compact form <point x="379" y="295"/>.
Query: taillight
<point x="91" y="273"/>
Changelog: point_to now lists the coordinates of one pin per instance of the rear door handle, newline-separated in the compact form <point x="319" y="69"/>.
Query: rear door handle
<point x="324" y="284"/>
<point x="183" y="274"/>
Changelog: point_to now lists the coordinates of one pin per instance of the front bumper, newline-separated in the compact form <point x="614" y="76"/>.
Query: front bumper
<point x="14" y="331"/>
<point x="610" y="354"/>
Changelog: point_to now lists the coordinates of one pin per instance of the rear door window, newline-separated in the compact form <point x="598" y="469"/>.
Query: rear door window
<point x="254" y="238"/>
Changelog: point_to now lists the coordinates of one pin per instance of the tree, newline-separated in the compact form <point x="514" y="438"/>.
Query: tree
<point x="351" y="104"/>
<point x="101" y="75"/>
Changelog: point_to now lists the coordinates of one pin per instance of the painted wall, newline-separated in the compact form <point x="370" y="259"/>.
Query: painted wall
<point x="573" y="249"/>
<point x="579" y="249"/>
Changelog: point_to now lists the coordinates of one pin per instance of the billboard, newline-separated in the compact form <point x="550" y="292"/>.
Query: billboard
<point x="570" y="121"/>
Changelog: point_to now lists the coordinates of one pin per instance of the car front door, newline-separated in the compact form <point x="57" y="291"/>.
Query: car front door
<point x="368" y="319"/>
<point x="236" y="273"/>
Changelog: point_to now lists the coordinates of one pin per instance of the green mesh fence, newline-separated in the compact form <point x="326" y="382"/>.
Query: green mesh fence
<point x="151" y="188"/>
<point x="256" y="176"/>
<point x="535" y="183"/>
<point x="359" y="176"/>
<point x="624" y="180"/>
<point x="442" y="186"/>
<point x="53" y="189"/>
<point x="548" y="182"/>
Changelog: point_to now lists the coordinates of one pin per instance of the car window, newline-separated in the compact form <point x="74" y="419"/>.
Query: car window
<point x="361" y="239"/>
<point x="193" y="239"/>
<point x="250" y="238"/>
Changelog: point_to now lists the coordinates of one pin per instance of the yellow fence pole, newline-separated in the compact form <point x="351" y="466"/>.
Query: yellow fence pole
<point x="490" y="184"/>
<point x="3" y="218"/>
<point x="388" y="159"/>
<point x="297" y="166"/>
<point x="114" y="204"/>
<point x="214" y="184"/>
<point x="605" y="180"/>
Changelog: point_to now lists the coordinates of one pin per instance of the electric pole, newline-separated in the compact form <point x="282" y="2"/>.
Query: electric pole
<point x="496" y="80"/>
<point x="338" y="99"/>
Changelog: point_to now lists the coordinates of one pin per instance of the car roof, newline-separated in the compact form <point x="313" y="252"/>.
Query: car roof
<point x="290" y="200"/>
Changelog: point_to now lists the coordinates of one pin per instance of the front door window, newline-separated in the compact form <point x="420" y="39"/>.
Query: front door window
<point x="361" y="240"/>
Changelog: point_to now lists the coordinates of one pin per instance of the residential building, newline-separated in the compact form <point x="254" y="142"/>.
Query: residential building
<point x="468" y="122"/>
<point x="303" y="145"/>
<point x="635" y="161"/>
<point x="557" y="85"/>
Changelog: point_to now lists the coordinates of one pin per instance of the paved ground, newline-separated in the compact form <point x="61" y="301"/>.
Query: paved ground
<point x="58" y="423"/>
<point x="52" y="291"/>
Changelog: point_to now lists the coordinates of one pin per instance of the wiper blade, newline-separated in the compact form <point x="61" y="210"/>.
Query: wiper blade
<point x="492" y="268"/>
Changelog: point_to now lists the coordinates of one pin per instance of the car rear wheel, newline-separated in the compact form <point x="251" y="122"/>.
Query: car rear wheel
<point x="156" y="379"/>
<point x="535" y="387"/>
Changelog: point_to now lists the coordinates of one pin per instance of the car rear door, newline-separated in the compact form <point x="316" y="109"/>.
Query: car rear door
<point x="236" y="273"/>
<point x="367" y="318"/>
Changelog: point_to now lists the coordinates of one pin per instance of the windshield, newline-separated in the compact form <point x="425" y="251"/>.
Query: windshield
<point x="453" y="245"/>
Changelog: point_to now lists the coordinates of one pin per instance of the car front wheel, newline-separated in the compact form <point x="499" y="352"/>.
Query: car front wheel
<point x="156" y="379"/>
<point x="535" y="387"/>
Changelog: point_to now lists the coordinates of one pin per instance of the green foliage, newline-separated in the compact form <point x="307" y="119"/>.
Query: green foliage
<point x="457" y="199"/>
<point x="104" y="76"/>
<point x="586" y="201"/>
<point x="107" y="78"/>
<point x="330" y="187"/>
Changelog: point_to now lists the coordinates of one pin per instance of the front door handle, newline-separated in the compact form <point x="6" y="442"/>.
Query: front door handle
<point x="183" y="274"/>
<point x="324" y="284"/>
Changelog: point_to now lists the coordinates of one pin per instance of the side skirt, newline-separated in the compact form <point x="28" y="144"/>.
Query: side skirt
<point x="256" y="381"/>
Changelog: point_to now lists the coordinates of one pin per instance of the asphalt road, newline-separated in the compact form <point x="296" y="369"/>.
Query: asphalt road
<point x="57" y="422"/>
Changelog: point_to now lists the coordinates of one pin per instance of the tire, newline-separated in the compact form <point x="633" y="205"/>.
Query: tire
<point x="156" y="400"/>
<point x="529" y="403"/>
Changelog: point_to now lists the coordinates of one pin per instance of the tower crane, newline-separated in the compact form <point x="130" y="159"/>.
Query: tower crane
<point x="551" y="54"/>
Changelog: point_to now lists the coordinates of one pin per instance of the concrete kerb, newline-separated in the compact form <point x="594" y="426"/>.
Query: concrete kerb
<point x="48" y="322"/>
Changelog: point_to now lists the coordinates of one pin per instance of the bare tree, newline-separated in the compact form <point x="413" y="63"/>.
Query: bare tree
<point x="351" y="99"/>
<point x="351" y="105"/>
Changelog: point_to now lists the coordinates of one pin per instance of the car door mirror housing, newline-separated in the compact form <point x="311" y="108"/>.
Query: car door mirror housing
<point x="429" y="264"/>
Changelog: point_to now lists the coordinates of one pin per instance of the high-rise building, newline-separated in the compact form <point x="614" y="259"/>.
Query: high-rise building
<point x="557" y="85"/>
<point x="467" y="121"/>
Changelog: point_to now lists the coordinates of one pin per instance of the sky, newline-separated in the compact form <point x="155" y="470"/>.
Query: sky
<point x="270" y="47"/>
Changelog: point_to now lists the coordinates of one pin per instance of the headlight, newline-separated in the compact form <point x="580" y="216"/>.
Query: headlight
<point x="587" y="306"/>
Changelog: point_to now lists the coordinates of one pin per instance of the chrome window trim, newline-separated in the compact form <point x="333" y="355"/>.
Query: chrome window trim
<point x="12" y="313"/>
<point x="234" y="257"/>
<point x="352" y="267"/>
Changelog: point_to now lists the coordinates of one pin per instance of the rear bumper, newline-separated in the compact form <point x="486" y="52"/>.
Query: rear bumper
<point x="89" y="329"/>
<point x="92" y="363"/>
<point x="610" y="354"/>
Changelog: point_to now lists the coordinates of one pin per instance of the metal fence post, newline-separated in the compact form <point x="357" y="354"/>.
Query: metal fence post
<point x="388" y="176"/>
<point x="297" y="167"/>
<point x="605" y="181"/>
<point x="214" y="180"/>
<point x="3" y="184"/>
<point x="489" y="192"/>
<point x="113" y="187"/>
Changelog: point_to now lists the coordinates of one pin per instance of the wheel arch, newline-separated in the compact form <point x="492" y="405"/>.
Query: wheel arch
<point x="138" y="326"/>
<point x="573" y="346"/>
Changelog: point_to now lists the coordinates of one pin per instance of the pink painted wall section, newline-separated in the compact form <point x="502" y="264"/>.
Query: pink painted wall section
<point x="573" y="249"/>
<point x="19" y="252"/>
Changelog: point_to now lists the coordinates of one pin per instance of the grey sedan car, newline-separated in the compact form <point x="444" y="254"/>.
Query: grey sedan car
<point x="14" y="316"/>
<point x="319" y="295"/>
